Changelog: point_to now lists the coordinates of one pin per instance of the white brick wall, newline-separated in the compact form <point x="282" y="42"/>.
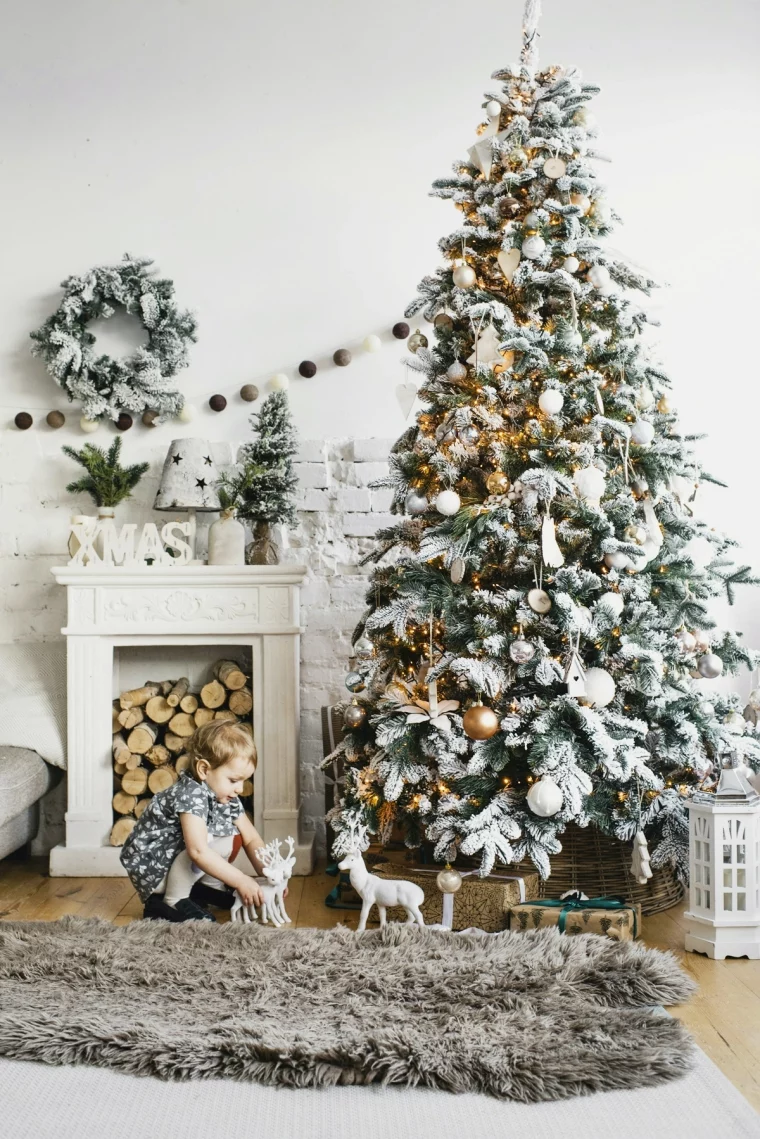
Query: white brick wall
<point x="338" y="515"/>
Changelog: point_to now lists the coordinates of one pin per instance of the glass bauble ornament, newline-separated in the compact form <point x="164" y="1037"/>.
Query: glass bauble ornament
<point x="532" y="220"/>
<point x="416" y="503"/>
<point x="735" y="723"/>
<point x="533" y="247"/>
<point x="456" y="371"/>
<point x="469" y="435"/>
<point x="550" y="401"/>
<point x="354" y="716"/>
<point x="539" y="600"/>
<point x="449" y="880"/>
<point x="582" y="201"/>
<point x="642" y="432"/>
<point x="516" y="158"/>
<point x="663" y="405"/>
<point x="710" y="666"/>
<point x="613" y="601"/>
<point x="497" y="483"/>
<point x="521" y="651"/>
<point x="584" y="118"/>
<point x="644" y="398"/>
<point x="354" y="682"/>
<point x="599" y="277"/>
<point x="703" y="640"/>
<point x="416" y="341"/>
<point x="636" y="533"/>
<point x="544" y="797"/>
<point x="443" y="322"/>
<point x="480" y="722"/>
<point x="616" y="560"/>
<point x="364" y="648"/>
<point x="448" y="503"/>
<point x="554" y="168"/>
<point x="571" y="264"/>
<point x="464" y="276"/>
<point x="686" y="641"/>
<point x="457" y="571"/>
<point x="600" y="687"/>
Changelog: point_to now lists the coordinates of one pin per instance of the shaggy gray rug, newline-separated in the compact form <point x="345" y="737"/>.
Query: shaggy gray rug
<point x="528" y="1016"/>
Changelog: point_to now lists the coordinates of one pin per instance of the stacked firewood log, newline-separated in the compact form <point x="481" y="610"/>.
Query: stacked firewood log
<point x="152" y="726"/>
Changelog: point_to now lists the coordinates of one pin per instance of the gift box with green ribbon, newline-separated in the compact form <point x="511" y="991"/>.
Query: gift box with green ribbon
<point x="575" y="913"/>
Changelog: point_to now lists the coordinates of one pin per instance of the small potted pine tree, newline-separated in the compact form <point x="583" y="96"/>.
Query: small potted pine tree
<point x="107" y="482"/>
<point x="262" y="488"/>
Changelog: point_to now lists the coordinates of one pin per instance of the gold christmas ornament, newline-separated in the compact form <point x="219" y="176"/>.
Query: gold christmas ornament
<point x="663" y="405"/>
<point x="582" y="201"/>
<point x="416" y="341"/>
<point x="443" y="321"/>
<point x="480" y="722"/>
<point x="497" y="483"/>
<point x="449" y="880"/>
<point x="464" y="276"/>
<point x="354" y="716"/>
<point x="636" y="533"/>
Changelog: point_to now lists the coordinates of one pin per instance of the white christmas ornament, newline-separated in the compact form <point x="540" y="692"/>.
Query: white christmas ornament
<point x="89" y="426"/>
<point x="550" y="401"/>
<point x="571" y="264"/>
<point x="372" y="343"/>
<point x="735" y="723"/>
<point x="545" y="797"/>
<point x="416" y="503"/>
<point x="508" y="260"/>
<point x="486" y="351"/>
<point x="642" y="432"/>
<point x="464" y="276"/>
<point x="614" y="602"/>
<point x="279" y="382"/>
<point x="188" y="413"/>
<point x="616" y="560"/>
<point x="448" y="502"/>
<point x="493" y="108"/>
<point x="550" y="552"/>
<point x="481" y="154"/>
<point x="533" y="246"/>
<point x="582" y="201"/>
<point x="406" y="394"/>
<point x="599" y="277"/>
<point x="644" y="398"/>
<point x="710" y="666"/>
<point x="600" y="687"/>
<point x="456" y="371"/>
<point x="703" y="640"/>
<point x="554" y="168"/>
<point x="589" y="482"/>
<point x="686" y="641"/>
<point x="640" y="867"/>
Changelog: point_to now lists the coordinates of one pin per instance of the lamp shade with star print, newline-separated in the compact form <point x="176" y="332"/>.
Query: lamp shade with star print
<point x="189" y="478"/>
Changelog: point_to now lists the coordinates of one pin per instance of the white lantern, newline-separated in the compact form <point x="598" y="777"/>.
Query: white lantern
<point x="724" y="867"/>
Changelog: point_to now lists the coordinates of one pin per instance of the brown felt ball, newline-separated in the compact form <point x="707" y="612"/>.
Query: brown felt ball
<point x="307" y="368"/>
<point x="124" y="422"/>
<point x="217" y="403"/>
<point x="23" y="421"/>
<point x="55" y="419"/>
<point x="249" y="392"/>
<point x="400" y="330"/>
<point x="342" y="357"/>
<point x="149" y="417"/>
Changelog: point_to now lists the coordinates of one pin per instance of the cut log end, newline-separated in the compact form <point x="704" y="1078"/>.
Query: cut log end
<point x="139" y="696"/>
<point x="161" y="778"/>
<point x="121" y="830"/>
<point x="189" y="703"/>
<point x="241" y="702"/>
<point x="230" y="674"/>
<point x="182" y="725"/>
<point x="123" y="803"/>
<point x="142" y="738"/>
<point x="135" y="782"/>
<point x="213" y="694"/>
<point x="177" y="692"/>
<point x="159" y="710"/>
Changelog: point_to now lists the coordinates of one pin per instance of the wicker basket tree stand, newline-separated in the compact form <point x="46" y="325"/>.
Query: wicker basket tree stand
<point x="600" y="866"/>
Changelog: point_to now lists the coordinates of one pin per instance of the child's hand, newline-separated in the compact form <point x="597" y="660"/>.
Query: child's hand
<point x="250" y="893"/>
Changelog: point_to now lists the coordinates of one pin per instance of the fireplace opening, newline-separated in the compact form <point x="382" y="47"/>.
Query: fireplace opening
<point x="160" y="695"/>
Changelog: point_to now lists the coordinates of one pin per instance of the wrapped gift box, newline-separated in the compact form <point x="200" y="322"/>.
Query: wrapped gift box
<point x="481" y="902"/>
<point x="610" y="917"/>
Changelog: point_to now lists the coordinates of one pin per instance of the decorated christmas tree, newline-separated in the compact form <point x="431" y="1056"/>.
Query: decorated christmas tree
<point x="538" y="624"/>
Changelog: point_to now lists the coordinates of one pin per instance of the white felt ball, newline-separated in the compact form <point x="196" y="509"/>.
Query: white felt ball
<point x="642" y="432"/>
<point x="686" y="641"/>
<point x="493" y="108"/>
<point x="456" y="371"/>
<point x="710" y="666"/>
<point x="545" y="797"/>
<point x="590" y="483"/>
<point x="600" y="687"/>
<point x="448" y="502"/>
<point x="532" y="220"/>
<point x="551" y="401"/>
<point x="614" y="602"/>
<point x="599" y="276"/>
<point x="188" y="413"/>
<point x="700" y="551"/>
<point x="574" y="339"/>
<point x="464" y="276"/>
<point x="533" y="246"/>
<point x="616" y="560"/>
<point x="372" y="343"/>
<point x="88" y="425"/>
<point x="279" y="382"/>
<point x="571" y="264"/>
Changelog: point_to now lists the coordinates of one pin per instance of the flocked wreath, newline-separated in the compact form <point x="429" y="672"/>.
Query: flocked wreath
<point x="107" y="386"/>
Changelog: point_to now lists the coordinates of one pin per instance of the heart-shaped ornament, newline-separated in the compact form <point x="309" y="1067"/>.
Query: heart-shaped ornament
<point x="508" y="260"/>
<point x="406" y="394"/>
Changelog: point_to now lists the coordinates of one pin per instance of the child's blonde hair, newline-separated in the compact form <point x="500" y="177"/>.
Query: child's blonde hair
<point x="218" y="742"/>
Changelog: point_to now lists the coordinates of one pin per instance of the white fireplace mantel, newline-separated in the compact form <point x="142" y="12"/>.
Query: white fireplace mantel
<point x="110" y="607"/>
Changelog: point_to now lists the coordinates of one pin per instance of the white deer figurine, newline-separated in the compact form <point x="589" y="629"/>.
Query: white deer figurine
<point x="277" y="871"/>
<point x="380" y="892"/>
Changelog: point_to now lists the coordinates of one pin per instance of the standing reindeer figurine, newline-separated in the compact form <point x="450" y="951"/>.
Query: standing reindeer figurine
<point x="380" y="892"/>
<point x="277" y="871"/>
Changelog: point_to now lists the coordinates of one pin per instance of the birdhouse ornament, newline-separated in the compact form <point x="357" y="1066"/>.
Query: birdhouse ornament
<point x="724" y="863"/>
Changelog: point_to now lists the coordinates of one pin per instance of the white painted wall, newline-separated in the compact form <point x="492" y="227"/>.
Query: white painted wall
<point x="275" y="160"/>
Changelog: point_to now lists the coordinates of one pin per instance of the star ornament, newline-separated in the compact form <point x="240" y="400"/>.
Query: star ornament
<point x="481" y="154"/>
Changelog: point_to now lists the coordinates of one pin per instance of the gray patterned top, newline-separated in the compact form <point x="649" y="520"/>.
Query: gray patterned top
<point x="157" y="838"/>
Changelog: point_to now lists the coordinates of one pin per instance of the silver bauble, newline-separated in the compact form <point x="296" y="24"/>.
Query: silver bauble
<point x="416" y="341"/>
<point x="354" y="682"/>
<point x="686" y="641"/>
<point x="522" y="651"/>
<point x="469" y="435"/>
<point x="364" y="649"/>
<point x="456" y="371"/>
<point x="539" y="600"/>
<point x="533" y="247"/>
<point x="464" y="276"/>
<point x="710" y="666"/>
<point x="416" y="503"/>
<point x="449" y="880"/>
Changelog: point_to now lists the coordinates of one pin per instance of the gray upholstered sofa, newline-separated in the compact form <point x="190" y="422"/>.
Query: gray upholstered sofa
<point x="24" y="779"/>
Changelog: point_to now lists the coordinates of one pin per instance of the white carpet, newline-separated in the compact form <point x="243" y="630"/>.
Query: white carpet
<point x="39" y="1102"/>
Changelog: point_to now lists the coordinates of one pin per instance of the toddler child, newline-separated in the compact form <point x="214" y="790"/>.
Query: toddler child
<point x="188" y="830"/>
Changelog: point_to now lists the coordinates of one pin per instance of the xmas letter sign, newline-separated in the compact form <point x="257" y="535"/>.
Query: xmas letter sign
<point x="102" y="544"/>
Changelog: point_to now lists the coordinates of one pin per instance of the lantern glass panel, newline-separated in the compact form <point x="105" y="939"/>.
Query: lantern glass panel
<point x="741" y="878"/>
<point x="707" y="852"/>
<point x="707" y="875"/>
<point x="698" y="850"/>
<point x="741" y="900"/>
<point x="728" y="901"/>
<point x="728" y="876"/>
<point x="740" y="852"/>
<point x="698" y="872"/>
<point x="727" y="852"/>
<point x="699" y="896"/>
<point x="707" y="899"/>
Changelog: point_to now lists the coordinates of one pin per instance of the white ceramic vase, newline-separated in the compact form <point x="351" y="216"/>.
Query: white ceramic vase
<point x="105" y="521"/>
<point x="226" y="541"/>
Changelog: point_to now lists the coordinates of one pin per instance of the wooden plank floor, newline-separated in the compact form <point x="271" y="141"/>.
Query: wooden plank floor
<point x="724" y="1017"/>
